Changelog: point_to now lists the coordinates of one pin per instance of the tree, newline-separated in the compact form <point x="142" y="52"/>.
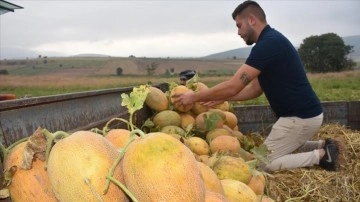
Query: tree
<point x="325" y="53"/>
<point x="119" y="71"/>
<point x="150" y="69"/>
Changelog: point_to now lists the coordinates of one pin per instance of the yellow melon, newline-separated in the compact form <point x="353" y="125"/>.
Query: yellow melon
<point x="160" y="168"/>
<point x="173" y="130"/>
<point x="237" y="191"/>
<point x="198" y="145"/>
<point x="167" y="118"/>
<point x="78" y="166"/>
<point x="229" y="167"/>
<point x="156" y="99"/>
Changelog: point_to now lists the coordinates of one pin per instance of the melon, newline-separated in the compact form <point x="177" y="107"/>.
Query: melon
<point x="156" y="99"/>
<point x="211" y="181"/>
<point x="237" y="191"/>
<point x="27" y="185"/>
<point x="231" y="119"/>
<point x="207" y="121"/>
<point x="160" y="168"/>
<point x="229" y="167"/>
<point x="225" y="106"/>
<point x="187" y="120"/>
<point x="173" y="130"/>
<point x="225" y="144"/>
<point x="257" y="185"/>
<point x="167" y="118"/>
<point x="198" y="145"/>
<point x="215" y="133"/>
<point x="118" y="137"/>
<point x="78" y="166"/>
<point x="178" y="106"/>
<point x="211" y="196"/>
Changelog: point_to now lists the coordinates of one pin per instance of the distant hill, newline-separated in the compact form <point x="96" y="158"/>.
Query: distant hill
<point x="244" y="52"/>
<point x="90" y="55"/>
<point x="353" y="41"/>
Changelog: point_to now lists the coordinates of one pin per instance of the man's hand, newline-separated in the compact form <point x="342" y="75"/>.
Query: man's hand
<point x="184" y="98"/>
<point x="212" y="103"/>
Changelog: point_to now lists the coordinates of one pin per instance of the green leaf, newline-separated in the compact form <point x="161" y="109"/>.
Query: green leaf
<point x="136" y="99"/>
<point x="211" y="120"/>
<point x="261" y="153"/>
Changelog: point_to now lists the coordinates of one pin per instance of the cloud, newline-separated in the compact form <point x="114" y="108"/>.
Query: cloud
<point x="161" y="28"/>
<point x="172" y="45"/>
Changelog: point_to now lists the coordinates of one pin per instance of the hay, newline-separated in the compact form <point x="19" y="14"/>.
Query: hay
<point x="317" y="184"/>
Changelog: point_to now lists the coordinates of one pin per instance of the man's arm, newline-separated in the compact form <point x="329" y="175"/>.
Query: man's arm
<point x="251" y="91"/>
<point x="229" y="88"/>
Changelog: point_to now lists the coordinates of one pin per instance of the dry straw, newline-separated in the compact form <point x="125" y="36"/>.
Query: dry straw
<point x="316" y="184"/>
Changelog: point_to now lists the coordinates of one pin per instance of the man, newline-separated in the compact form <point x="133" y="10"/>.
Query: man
<point x="275" y="69"/>
<point x="186" y="75"/>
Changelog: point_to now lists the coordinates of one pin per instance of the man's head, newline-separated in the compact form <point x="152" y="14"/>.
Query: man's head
<point x="186" y="75"/>
<point x="250" y="19"/>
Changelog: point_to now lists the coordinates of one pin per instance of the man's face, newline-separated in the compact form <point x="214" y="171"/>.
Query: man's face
<point x="182" y="81"/>
<point x="245" y="31"/>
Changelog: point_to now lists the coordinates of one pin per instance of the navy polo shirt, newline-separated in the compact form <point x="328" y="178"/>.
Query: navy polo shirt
<point x="283" y="78"/>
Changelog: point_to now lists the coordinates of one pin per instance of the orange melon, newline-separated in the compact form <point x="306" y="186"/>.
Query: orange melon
<point x="178" y="106"/>
<point x="207" y="121"/>
<point x="211" y="196"/>
<point x="225" y="106"/>
<point x="28" y="185"/>
<point x="78" y="166"/>
<point x="211" y="180"/>
<point x="215" y="133"/>
<point x="257" y="185"/>
<point x="225" y="144"/>
<point x="118" y="137"/>
<point x="231" y="119"/>
<point x="161" y="168"/>
<point x="187" y="120"/>
<point x="156" y="99"/>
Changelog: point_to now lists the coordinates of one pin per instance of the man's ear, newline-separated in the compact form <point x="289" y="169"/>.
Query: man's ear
<point x="252" y="20"/>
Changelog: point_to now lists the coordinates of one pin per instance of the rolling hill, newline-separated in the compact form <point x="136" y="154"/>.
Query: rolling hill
<point x="244" y="52"/>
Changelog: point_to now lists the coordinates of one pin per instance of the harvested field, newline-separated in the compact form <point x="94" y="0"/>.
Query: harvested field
<point x="316" y="184"/>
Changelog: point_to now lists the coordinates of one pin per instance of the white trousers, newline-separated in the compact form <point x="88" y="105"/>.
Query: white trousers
<point x="290" y="134"/>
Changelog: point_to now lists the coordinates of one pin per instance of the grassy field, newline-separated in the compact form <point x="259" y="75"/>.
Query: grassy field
<point x="34" y="78"/>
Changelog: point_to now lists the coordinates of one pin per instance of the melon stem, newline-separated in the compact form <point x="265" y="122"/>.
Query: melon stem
<point x="5" y="151"/>
<point x="116" y="119"/>
<point x="97" y="131"/>
<point x="117" y="161"/>
<point x="50" y="138"/>
<point x="118" y="183"/>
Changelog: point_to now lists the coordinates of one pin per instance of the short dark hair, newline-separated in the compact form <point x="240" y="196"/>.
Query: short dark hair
<point x="255" y="9"/>
<point x="187" y="74"/>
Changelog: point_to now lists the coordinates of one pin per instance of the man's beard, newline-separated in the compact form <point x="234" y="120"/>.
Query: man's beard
<point x="250" y="37"/>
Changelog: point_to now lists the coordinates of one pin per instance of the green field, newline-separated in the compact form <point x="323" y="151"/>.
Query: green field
<point x="33" y="78"/>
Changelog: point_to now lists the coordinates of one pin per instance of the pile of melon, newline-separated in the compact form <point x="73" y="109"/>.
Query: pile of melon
<point x="187" y="153"/>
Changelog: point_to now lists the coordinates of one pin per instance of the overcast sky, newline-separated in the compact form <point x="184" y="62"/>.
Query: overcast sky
<point x="159" y="28"/>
